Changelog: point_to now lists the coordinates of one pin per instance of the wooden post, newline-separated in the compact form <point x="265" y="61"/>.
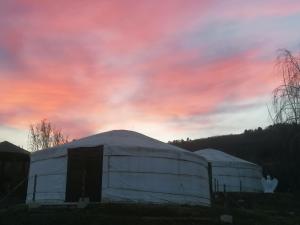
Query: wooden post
<point x="215" y="185"/>
<point x="240" y="186"/>
<point x="34" y="188"/>
<point x="225" y="199"/>
<point x="209" y="168"/>
<point x="83" y="183"/>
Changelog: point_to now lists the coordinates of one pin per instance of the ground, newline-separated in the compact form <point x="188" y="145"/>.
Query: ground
<point x="246" y="209"/>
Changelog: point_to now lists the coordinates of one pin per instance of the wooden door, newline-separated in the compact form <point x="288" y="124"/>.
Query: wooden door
<point x="84" y="176"/>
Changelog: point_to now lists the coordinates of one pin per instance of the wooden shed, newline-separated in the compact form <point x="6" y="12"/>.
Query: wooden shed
<point x="14" y="164"/>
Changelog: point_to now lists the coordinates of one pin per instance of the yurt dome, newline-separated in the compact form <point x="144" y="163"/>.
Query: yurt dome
<point x="14" y="163"/>
<point x="118" y="166"/>
<point x="230" y="173"/>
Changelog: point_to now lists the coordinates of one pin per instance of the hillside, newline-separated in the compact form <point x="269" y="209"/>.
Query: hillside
<point x="276" y="148"/>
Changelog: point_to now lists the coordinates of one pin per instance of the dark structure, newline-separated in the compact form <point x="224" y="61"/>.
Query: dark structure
<point x="14" y="165"/>
<point x="84" y="173"/>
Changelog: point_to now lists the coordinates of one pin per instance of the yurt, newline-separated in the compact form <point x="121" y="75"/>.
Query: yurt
<point x="14" y="164"/>
<point x="231" y="174"/>
<point x="118" y="166"/>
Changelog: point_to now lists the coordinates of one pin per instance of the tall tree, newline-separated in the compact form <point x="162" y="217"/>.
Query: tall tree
<point x="44" y="135"/>
<point x="286" y="97"/>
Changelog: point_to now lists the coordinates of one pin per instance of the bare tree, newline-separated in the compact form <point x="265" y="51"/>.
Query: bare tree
<point x="286" y="97"/>
<point x="43" y="135"/>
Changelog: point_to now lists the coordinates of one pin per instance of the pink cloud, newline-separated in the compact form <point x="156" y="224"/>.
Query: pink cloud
<point x="89" y="65"/>
<point x="201" y="89"/>
<point x="258" y="10"/>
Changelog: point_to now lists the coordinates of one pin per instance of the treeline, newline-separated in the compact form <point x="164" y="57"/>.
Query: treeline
<point x="276" y="148"/>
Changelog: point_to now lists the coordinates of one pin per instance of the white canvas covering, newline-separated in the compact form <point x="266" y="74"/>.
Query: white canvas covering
<point x="136" y="168"/>
<point x="237" y="175"/>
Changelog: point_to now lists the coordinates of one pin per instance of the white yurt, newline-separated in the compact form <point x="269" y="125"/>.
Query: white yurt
<point x="231" y="174"/>
<point x="118" y="166"/>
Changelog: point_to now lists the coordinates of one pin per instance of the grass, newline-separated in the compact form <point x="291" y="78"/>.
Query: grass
<point x="246" y="209"/>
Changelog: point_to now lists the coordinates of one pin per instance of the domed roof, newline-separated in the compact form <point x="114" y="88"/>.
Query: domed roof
<point x="213" y="155"/>
<point x="8" y="147"/>
<point x="121" y="138"/>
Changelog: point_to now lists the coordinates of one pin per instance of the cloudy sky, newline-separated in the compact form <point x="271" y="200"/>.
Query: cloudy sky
<point x="169" y="69"/>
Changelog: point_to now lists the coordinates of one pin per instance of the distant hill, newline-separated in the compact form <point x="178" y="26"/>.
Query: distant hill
<point x="276" y="148"/>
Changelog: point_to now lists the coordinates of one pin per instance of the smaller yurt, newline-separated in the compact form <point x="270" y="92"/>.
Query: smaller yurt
<point x="118" y="166"/>
<point x="14" y="163"/>
<point x="231" y="174"/>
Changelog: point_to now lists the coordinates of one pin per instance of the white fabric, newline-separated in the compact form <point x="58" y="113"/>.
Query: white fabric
<point x="116" y="137"/>
<point x="51" y="180"/>
<point x="269" y="184"/>
<point x="136" y="168"/>
<point x="231" y="173"/>
<point x="213" y="155"/>
<point x="167" y="176"/>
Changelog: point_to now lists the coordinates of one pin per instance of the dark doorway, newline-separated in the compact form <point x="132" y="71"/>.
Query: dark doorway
<point x="84" y="176"/>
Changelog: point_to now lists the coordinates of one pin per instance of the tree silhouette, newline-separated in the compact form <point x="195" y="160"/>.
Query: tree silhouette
<point x="43" y="135"/>
<point x="286" y="97"/>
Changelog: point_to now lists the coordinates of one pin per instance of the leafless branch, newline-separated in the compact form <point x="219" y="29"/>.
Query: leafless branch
<point x="43" y="135"/>
<point x="286" y="97"/>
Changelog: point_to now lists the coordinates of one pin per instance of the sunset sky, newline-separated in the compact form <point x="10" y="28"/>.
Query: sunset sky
<point x="170" y="69"/>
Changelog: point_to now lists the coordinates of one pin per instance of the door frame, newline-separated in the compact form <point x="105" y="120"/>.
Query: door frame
<point x="100" y="149"/>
